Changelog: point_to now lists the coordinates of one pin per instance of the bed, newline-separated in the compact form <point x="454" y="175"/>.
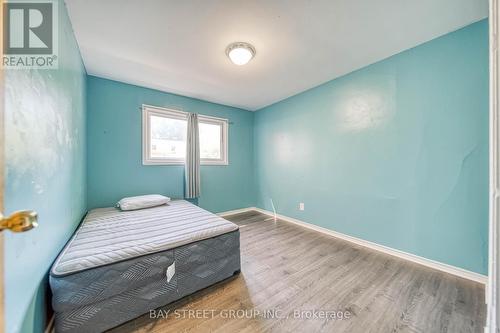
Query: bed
<point x="122" y="264"/>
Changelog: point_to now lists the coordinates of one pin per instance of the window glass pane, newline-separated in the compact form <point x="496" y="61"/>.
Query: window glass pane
<point x="210" y="140"/>
<point x="168" y="137"/>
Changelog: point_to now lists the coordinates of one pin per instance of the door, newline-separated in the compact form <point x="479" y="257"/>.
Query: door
<point x="15" y="221"/>
<point x="19" y="221"/>
<point x="44" y="154"/>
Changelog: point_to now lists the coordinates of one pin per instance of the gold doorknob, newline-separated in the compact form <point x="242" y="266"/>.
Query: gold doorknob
<point x="20" y="221"/>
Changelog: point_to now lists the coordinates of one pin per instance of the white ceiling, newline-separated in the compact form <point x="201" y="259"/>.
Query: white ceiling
<point x="178" y="46"/>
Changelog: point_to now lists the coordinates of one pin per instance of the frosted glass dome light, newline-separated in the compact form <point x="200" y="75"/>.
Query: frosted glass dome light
<point x="240" y="53"/>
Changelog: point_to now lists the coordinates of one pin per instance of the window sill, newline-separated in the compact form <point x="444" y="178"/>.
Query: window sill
<point x="182" y="163"/>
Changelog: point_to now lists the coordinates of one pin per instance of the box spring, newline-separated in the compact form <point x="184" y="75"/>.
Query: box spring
<point x="100" y="298"/>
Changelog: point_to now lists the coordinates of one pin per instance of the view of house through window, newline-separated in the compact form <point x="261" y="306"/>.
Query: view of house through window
<point x="168" y="137"/>
<point x="165" y="138"/>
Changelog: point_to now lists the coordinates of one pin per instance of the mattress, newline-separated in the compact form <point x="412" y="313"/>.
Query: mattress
<point x="190" y="250"/>
<point x="108" y="235"/>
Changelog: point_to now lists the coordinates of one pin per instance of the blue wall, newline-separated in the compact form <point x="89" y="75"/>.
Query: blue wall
<point x="395" y="153"/>
<point x="45" y="171"/>
<point x="114" y="137"/>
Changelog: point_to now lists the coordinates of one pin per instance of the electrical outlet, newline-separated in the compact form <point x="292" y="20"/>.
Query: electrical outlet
<point x="301" y="206"/>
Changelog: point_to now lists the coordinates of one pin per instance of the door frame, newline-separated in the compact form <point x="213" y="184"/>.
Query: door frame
<point x="492" y="291"/>
<point x="2" y="175"/>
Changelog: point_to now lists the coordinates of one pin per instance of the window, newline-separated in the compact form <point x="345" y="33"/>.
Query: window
<point x="164" y="137"/>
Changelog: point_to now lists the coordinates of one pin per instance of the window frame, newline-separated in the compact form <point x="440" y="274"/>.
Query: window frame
<point x="148" y="111"/>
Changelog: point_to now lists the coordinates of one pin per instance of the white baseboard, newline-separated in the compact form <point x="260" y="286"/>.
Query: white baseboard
<point x="237" y="211"/>
<point x="463" y="273"/>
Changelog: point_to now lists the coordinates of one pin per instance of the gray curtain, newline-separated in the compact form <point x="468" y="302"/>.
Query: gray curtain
<point x="192" y="166"/>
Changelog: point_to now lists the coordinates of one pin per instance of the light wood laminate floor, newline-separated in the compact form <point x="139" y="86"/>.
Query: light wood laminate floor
<point x="286" y="268"/>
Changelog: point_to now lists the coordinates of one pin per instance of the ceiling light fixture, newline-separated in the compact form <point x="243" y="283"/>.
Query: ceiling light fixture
<point x="240" y="53"/>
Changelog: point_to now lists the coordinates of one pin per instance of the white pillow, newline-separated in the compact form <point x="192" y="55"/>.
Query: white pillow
<point x="142" y="201"/>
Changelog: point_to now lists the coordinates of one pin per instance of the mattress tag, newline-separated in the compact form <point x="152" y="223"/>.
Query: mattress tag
<point x="170" y="272"/>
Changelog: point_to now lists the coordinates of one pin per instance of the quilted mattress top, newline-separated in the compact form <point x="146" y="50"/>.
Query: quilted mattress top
<point x="108" y="235"/>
